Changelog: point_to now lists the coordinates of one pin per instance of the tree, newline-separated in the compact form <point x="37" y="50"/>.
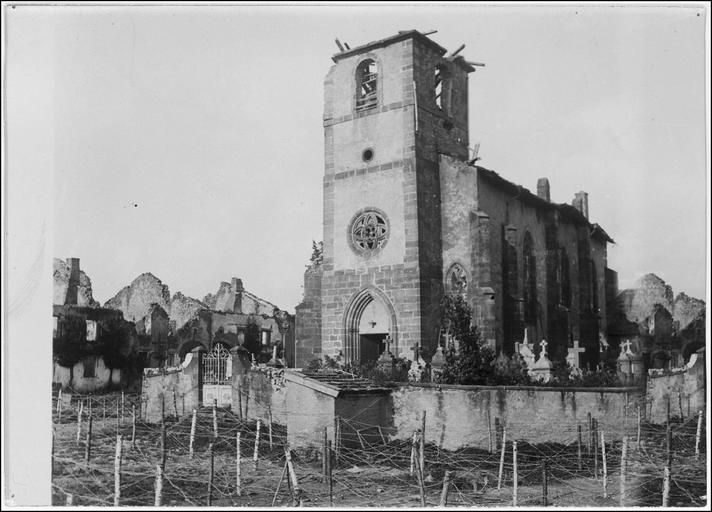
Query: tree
<point x="472" y="363"/>
<point x="69" y="346"/>
<point x="252" y="342"/>
<point x="116" y="345"/>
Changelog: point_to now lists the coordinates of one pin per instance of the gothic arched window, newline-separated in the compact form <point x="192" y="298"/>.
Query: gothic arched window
<point x="456" y="281"/>
<point x="529" y="271"/>
<point x="593" y="287"/>
<point x="366" y="85"/>
<point x="564" y="279"/>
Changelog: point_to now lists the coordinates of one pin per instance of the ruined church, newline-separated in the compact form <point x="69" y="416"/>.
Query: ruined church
<point x="409" y="216"/>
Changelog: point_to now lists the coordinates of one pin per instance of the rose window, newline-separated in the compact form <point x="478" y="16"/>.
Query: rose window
<point x="369" y="231"/>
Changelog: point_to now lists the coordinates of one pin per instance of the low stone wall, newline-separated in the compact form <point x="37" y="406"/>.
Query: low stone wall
<point x="464" y="416"/>
<point x="261" y="393"/>
<point x="683" y="387"/>
<point x="160" y="385"/>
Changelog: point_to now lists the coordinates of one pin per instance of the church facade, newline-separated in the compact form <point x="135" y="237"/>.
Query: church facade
<point x="408" y="217"/>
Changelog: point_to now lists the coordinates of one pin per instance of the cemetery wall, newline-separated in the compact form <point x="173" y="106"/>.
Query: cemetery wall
<point x="464" y="416"/>
<point x="683" y="387"/>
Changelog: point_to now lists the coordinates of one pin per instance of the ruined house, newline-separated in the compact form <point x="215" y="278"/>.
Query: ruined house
<point x="665" y="329"/>
<point x="93" y="347"/>
<point x="409" y="217"/>
<point x="233" y="316"/>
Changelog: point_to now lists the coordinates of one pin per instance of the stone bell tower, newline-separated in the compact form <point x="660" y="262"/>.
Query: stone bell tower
<point x="391" y="107"/>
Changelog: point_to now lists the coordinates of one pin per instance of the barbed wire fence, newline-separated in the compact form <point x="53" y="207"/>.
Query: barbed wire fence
<point x="105" y="453"/>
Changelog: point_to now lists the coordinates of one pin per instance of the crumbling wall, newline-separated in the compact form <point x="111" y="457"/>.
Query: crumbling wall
<point x="135" y="299"/>
<point x="74" y="377"/>
<point x="184" y="308"/>
<point x="61" y="276"/>
<point x="678" y="386"/>
<point x="160" y="384"/>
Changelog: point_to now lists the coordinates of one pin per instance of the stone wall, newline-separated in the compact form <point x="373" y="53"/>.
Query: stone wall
<point x="679" y="384"/>
<point x="159" y="385"/>
<point x="307" y="333"/>
<point x="457" y="416"/>
<point x="262" y="394"/>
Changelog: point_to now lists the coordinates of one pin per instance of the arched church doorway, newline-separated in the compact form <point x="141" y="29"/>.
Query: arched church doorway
<point x="369" y="320"/>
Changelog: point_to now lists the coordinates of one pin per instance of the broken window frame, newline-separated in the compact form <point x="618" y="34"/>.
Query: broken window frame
<point x="89" y="367"/>
<point x="366" y="85"/>
<point x="529" y="278"/>
<point x="442" y="88"/>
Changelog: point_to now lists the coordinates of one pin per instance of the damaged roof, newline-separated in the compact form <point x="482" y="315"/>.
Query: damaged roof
<point x="566" y="210"/>
<point x="335" y="383"/>
<point x="400" y="36"/>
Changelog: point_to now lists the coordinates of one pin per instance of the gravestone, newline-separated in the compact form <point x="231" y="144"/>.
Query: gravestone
<point x="541" y="370"/>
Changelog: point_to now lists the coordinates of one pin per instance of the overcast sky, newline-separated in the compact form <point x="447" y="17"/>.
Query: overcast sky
<point x="188" y="142"/>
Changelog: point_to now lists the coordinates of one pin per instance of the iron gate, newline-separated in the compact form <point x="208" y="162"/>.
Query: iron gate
<point x="217" y="376"/>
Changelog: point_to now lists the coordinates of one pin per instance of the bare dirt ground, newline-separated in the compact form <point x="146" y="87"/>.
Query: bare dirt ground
<point x="378" y="477"/>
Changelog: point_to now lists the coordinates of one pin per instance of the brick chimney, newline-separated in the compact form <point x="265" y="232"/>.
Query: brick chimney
<point x="237" y="290"/>
<point x="73" y="284"/>
<point x="580" y="202"/>
<point x="542" y="188"/>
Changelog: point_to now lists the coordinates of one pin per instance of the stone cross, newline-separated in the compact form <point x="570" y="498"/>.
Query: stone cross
<point x="388" y="340"/>
<point x="543" y="345"/>
<point x="416" y="354"/>
<point x="574" y="354"/>
<point x="526" y="336"/>
<point x="625" y="346"/>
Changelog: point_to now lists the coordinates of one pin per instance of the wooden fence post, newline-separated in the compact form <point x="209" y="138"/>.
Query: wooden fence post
<point x="605" y="467"/>
<point x="624" y="460"/>
<point x="117" y="472"/>
<point x="666" y="486"/>
<point x="210" y="475"/>
<point x="328" y="473"/>
<point x="158" y="487"/>
<point x="192" y="431"/>
<point x="163" y="436"/>
<point x="489" y="429"/>
<point x="422" y="448"/>
<point x="595" y="449"/>
<point x="501" y="458"/>
<point x="578" y="447"/>
<point x="590" y="433"/>
<point x="122" y="408"/>
<point x="412" y="452"/>
<point x="421" y="483"/>
<point x="215" y="417"/>
<point x="269" y="414"/>
<point x="175" y="402"/>
<point x="79" y="421"/>
<point x="446" y="488"/>
<point x="544" y="484"/>
<point x="59" y="406"/>
<point x="697" y="436"/>
<point x="133" y="425"/>
<point x="238" y="465"/>
<point x="257" y="444"/>
<point x="296" y="491"/>
<point x="118" y="415"/>
<point x="324" y="455"/>
<point x="638" y="438"/>
<point x="87" y="448"/>
<point x="514" y="473"/>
